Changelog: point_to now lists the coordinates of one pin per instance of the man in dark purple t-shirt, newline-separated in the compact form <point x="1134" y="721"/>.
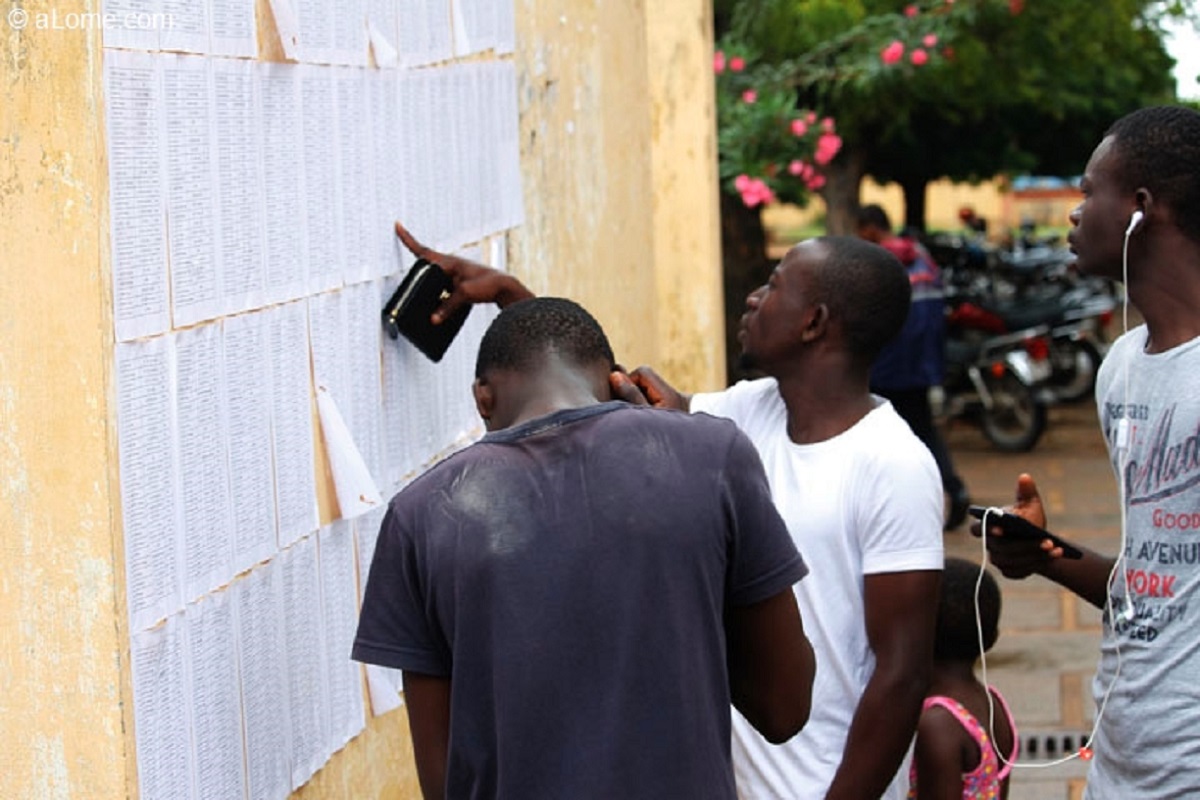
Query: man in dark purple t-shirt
<point x="576" y="599"/>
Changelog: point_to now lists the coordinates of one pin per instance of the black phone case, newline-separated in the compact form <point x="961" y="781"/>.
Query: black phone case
<point x="1018" y="527"/>
<point x="408" y="310"/>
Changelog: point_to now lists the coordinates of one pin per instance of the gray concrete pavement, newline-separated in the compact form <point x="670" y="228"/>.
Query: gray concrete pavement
<point x="1049" y="640"/>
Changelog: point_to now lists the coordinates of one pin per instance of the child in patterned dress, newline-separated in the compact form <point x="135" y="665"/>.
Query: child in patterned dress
<point x="955" y="755"/>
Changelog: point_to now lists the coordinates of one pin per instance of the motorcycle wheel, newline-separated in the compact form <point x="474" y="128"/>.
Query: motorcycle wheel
<point x="1016" y="419"/>
<point x="1078" y="380"/>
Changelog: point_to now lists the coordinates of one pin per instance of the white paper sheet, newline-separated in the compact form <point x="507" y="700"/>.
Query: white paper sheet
<point x="140" y="22"/>
<point x="510" y="146"/>
<point x="364" y="336"/>
<point x="240" y="194"/>
<point x="287" y="23"/>
<point x="350" y="33"/>
<point x="162" y="720"/>
<point x="366" y="533"/>
<point x="412" y="32"/>
<point x="347" y="714"/>
<point x="203" y="464"/>
<point x="328" y="342"/>
<point x="383" y="51"/>
<point x="188" y="28"/>
<point x="386" y="130"/>
<point x="316" y="31"/>
<point x="415" y="166"/>
<point x="321" y="193"/>
<point x="441" y="32"/>
<point x="133" y="103"/>
<point x="385" y="686"/>
<point x="262" y="661"/>
<point x="291" y="422"/>
<point x="248" y="398"/>
<point x="352" y="481"/>
<point x="283" y="174"/>
<point x="232" y="28"/>
<point x="307" y="692"/>
<point x="191" y="198"/>
<point x="149" y="479"/>
<point x="357" y="187"/>
<point x="215" y="703"/>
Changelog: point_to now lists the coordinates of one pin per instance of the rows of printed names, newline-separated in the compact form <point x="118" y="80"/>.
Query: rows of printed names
<point x="248" y="691"/>
<point x="235" y="185"/>
<point x="398" y="32"/>
<point x="216" y="433"/>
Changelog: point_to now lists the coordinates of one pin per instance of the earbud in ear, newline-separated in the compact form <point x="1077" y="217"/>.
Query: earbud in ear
<point x="1134" y="221"/>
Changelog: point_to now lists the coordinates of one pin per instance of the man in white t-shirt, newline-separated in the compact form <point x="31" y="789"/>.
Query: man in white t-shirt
<point x="862" y="498"/>
<point x="858" y="490"/>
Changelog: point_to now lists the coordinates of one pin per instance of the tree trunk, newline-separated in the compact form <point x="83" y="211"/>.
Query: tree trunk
<point x="843" y="178"/>
<point x="914" y="203"/>
<point x="745" y="266"/>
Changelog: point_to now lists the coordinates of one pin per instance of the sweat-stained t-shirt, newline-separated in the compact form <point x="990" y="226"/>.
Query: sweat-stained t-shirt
<point x="570" y="576"/>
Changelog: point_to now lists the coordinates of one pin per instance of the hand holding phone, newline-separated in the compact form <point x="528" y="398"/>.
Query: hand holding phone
<point x="1017" y="527"/>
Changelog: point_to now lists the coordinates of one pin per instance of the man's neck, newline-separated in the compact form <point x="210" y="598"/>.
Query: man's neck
<point x="1168" y="295"/>
<point x="820" y="409"/>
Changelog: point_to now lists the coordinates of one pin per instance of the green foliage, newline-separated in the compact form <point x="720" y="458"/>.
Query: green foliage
<point x="1009" y="85"/>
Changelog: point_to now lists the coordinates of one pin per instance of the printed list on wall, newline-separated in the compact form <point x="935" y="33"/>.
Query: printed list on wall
<point x="251" y="206"/>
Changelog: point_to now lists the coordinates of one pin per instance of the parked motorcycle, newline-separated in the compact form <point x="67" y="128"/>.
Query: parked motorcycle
<point x="998" y="380"/>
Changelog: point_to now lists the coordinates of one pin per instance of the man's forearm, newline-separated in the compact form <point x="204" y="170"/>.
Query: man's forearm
<point x="880" y="734"/>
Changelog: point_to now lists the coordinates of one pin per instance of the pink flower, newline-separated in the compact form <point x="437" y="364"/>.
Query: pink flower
<point x="799" y="127"/>
<point x="808" y="172"/>
<point x="796" y="168"/>
<point x="749" y="97"/>
<point x="815" y="182"/>
<point x="930" y="40"/>
<point x="828" y="146"/>
<point x="910" y="11"/>
<point x="741" y="182"/>
<point x="919" y="57"/>
<point x="719" y="62"/>
<point x="827" y="124"/>
<point x="737" y="64"/>
<point x="810" y="117"/>
<point x="755" y="192"/>
<point x="892" y="53"/>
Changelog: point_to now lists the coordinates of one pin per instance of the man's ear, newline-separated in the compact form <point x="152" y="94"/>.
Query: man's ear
<point x="818" y="323"/>
<point x="485" y="400"/>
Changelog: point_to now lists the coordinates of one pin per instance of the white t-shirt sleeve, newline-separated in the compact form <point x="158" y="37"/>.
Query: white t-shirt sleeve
<point x="900" y="508"/>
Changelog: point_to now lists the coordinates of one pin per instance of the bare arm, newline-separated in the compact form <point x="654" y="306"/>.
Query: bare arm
<point x="473" y="282"/>
<point x="1086" y="577"/>
<point x="938" y="756"/>
<point x="428" y="700"/>
<point x="901" y="612"/>
<point x="771" y="665"/>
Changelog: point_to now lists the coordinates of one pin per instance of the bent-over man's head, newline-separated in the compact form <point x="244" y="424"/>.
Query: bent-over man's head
<point x="541" y="355"/>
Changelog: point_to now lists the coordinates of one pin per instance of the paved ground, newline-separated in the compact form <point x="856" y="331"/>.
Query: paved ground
<point x="1046" y="654"/>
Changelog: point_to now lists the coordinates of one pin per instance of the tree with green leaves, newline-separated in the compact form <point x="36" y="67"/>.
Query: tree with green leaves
<point x="914" y="92"/>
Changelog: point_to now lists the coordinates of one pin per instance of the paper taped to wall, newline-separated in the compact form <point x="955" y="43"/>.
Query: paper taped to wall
<point x="355" y="488"/>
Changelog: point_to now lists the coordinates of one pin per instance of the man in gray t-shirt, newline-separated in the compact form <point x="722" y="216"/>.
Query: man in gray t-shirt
<point x="576" y="599"/>
<point x="1139" y="222"/>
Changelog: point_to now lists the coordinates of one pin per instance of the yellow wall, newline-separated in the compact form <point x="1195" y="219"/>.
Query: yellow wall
<point x="618" y="164"/>
<point x="62" y="642"/>
<point x="585" y="163"/>
<point x="687" y="224"/>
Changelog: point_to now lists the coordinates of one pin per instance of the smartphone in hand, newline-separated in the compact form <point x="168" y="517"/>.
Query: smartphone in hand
<point x="1018" y="527"/>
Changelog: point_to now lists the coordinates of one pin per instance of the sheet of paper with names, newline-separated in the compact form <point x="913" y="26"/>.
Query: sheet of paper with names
<point x="251" y="207"/>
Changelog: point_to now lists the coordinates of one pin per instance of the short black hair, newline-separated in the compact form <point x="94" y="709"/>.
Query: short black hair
<point x="527" y="331"/>
<point x="957" y="636"/>
<point x="1159" y="148"/>
<point x="867" y="292"/>
<point x="875" y="216"/>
